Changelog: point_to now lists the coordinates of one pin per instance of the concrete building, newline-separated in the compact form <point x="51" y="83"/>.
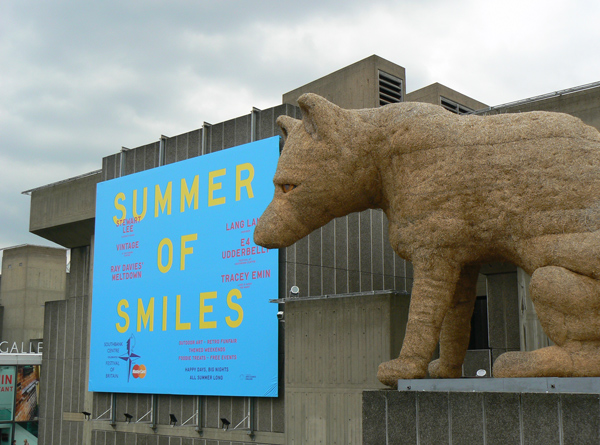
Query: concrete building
<point x="350" y="258"/>
<point x="448" y="98"/>
<point x="369" y="83"/>
<point x="31" y="277"/>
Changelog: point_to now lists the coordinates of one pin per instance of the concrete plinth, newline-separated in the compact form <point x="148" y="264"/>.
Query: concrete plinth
<point x="491" y="411"/>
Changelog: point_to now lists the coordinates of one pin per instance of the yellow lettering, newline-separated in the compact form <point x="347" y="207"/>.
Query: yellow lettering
<point x="165" y="242"/>
<point x="213" y="186"/>
<point x="145" y="316"/>
<point x="144" y="202"/>
<point x="163" y="201"/>
<point x="123" y="315"/>
<point x="187" y="195"/>
<point x="206" y="308"/>
<point x="236" y="307"/>
<point x="186" y="250"/>
<point x="239" y="182"/>
<point x="179" y="326"/>
<point x="119" y="206"/>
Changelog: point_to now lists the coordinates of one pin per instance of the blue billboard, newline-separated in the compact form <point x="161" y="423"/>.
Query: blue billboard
<point x="180" y="291"/>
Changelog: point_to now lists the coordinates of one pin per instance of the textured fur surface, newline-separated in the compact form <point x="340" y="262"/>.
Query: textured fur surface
<point x="458" y="191"/>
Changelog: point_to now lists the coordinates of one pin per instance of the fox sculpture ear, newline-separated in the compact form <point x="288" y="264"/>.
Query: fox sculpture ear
<point x="318" y="114"/>
<point x="286" y="124"/>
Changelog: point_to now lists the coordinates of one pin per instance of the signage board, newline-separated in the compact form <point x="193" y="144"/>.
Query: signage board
<point x="7" y="392"/>
<point x="180" y="291"/>
<point x="28" y="393"/>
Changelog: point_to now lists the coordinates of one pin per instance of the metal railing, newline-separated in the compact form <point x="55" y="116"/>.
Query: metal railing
<point x="529" y="100"/>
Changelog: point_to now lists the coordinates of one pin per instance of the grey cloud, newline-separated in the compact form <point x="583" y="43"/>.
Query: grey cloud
<point x="81" y="79"/>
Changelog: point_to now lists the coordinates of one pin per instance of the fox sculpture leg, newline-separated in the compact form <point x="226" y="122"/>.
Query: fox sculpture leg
<point x="559" y="296"/>
<point x="456" y="328"/>
<point x="432" y="296"/>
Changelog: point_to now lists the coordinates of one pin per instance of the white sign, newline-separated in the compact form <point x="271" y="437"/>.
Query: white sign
<point x="7" y="348"/>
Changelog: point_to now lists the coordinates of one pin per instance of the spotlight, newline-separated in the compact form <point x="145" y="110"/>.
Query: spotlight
<point x="86" y="415"/>
<point x="128" y="417"/>
<point x="294" y="291"/>
<point x="226" y="423"/>
<point x="173" y="420"/>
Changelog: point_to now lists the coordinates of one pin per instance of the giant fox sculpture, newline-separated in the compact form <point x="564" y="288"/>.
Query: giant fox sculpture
<point x="458" y="191"/>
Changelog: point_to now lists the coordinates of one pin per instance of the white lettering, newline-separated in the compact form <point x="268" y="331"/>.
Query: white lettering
<point x="14" y="349"/>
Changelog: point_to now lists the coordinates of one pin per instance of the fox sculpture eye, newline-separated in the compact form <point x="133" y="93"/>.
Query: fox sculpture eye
<point x="288" y="187"/>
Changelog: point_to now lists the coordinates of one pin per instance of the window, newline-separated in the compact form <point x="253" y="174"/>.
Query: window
<point x="479" y="325"/>
<point x="454" y="107"/>
<point x="390" y="89"/>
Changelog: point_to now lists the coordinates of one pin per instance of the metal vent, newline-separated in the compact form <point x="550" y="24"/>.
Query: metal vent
<point x="454" y="107"/>
<point x="390" y="89"/>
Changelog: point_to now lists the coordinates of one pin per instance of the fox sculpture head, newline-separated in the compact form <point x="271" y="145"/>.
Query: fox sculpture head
<point x="322" y="173"/>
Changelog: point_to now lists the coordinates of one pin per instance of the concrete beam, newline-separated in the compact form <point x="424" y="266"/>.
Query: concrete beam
<point x="64" y="212"/>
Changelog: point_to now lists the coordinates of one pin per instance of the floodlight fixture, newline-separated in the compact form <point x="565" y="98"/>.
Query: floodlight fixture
<point x="225" y="423"/>
<point x="294" y="291"/>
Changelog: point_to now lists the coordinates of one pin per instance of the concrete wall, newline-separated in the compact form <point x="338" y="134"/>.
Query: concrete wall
<point x="31" y="276"/>
<point x="63" y="378"/>
<point x="65" y="358"/>
<point x="333" y="347"/>
<point x="355" y="86"/>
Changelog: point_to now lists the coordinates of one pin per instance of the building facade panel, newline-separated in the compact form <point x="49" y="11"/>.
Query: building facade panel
<point x="333" y="347"/>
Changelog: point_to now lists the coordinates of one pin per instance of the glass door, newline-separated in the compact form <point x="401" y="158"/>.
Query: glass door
<point x="6" y="434"/>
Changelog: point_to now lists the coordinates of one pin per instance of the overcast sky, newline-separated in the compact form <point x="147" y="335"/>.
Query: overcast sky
<point x="79" y="79"/>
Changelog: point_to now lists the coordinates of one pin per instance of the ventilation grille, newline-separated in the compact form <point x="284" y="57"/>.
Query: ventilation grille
<point x="390" y="89"/>
<point x="454" y="107"/>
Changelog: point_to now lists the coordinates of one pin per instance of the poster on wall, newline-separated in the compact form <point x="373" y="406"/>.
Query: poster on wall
<point x="27" y="398"/>
<point x="7" y="392"/>
<point x="181" y="293"/>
